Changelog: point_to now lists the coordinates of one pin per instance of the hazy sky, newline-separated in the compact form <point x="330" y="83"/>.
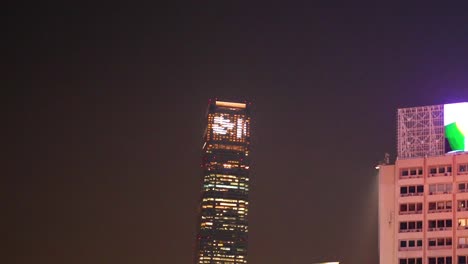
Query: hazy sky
<point x="108" y="109"/>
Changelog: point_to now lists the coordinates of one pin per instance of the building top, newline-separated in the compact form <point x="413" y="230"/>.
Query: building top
<point x="230" y="104"/>
<point x="228" y="122"/>
<point x="432" y="130"/>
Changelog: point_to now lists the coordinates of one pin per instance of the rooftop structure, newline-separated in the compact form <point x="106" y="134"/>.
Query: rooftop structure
<point x="432" y="130"/>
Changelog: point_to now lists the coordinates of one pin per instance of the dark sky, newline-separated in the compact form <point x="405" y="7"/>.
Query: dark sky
<point x="107" y="112"/>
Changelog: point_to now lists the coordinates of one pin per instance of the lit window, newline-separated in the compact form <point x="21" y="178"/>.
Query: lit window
<point x="462" y="205"/>
<point x="462" y="223"/>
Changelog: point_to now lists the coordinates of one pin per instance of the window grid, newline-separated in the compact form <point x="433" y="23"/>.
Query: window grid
<point x="440" y="170"/>
<point x="440" y="207"/>
<point x="412" y="190"/>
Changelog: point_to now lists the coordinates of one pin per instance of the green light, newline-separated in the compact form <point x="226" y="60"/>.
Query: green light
<point x="455" y="136"/>
<point x="456" y="126"/>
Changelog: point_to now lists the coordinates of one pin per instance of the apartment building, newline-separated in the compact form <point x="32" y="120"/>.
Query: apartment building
<point x="423" y="197"/>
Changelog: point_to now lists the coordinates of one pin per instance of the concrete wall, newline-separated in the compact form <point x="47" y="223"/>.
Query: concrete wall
<point x="387" y="250"/>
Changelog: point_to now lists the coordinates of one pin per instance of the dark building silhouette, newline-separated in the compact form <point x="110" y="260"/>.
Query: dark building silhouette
<point x="223" y="211"/>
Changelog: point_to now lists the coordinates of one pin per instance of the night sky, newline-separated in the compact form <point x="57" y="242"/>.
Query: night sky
<point x="107" y="112"/>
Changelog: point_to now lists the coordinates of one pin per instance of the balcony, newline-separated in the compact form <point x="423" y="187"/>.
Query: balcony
<point x="440" y="210"/>
<point x="410" y="177"/>
<point x="410" y="212"/>
<point x="439" y="229"/>
<point x="436" y="193"/>
<point x="411" y="194"/>
<point x="440" y="247"/>
<point x="409" y="248"/>
<point x="411" y="230"/>
<point x="439" y="174"/>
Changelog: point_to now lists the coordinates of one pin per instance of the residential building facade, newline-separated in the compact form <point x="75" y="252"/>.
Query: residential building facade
<point x="423" y="197"/>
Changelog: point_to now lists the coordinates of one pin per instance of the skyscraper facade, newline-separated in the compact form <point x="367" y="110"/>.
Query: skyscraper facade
<point x="223" y="212"/>
<point x="423" y="197"/>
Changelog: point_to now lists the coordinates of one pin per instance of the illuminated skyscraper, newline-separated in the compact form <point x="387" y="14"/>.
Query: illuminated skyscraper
<point x="223" y="226"/>
<point x="423" y="197"/>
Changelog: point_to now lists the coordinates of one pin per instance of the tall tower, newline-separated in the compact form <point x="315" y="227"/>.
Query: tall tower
<point x="223" y="211"/>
